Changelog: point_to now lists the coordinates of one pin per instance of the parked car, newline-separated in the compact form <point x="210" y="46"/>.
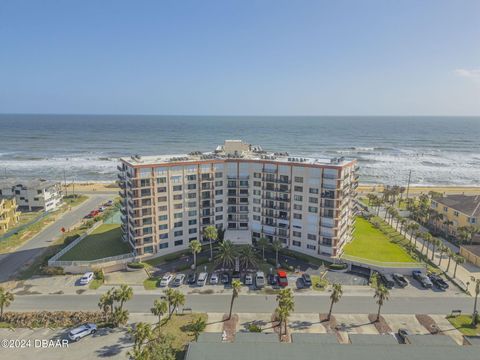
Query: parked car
<point x="248" y="280"/>
<point x="202" y="278"/>
<point x="259" y="279"/>
<point x="300" y="283"/>
<point x="101" y="209"/>
<point x="282" y="278"/>
<point x="403" y="335"/>
<point x="82" y="331"/>
<point x="179" y="279"/>
<point x="422" y="279"/>
<point x="192" y="278"/>
<point x="307" y="280"/>
<point x="86" y="278"/>
<point x="438" y="281"/>
<point x="387" y="280"/>
<point x="400" y="280"/>
<point x="225" y="278"/>
<point x="214" y="279"/>
<point x="166" y="279"/>
<point x="88" y="216"/>
<point x="272" y="279"/>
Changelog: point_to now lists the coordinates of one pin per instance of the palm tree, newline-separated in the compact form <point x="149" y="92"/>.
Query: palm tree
<point x="195" y="247"/>
<point x="443" y="250"/>
<point x="263" y="243"/>
<point x="427" y="238"/>
<point x="458" y="260"/>
<point x="211" y="234"/>
<point x="382" y="295"/>
<point x="286" y="305"/>
<point x="123" y="294"/>
<point x="450" y="255"/>
<point x="141" y="334"/>
<point x="447" y="223"/>
<point x="248" y="258"/>
<point x="236" y="286"/>
<point x="226" y="254"/>
<point x="335" y="297"/>
<point x="414" y="228"/>
<point x="174" y="299"/>
<point x="435" y="242"/>
<point x="197" y="327"/>
<point x="106" y="303"/>
<point x="6" y="299"/>
<point x="120" y="316"/>
<point x="160" y="308"/>
<point x="277" y="246"/>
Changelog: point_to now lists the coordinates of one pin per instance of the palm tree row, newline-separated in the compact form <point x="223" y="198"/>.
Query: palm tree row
<point x="111" y="303"/>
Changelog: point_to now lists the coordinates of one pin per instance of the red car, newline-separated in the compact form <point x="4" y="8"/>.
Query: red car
<point x="282" y="278"/>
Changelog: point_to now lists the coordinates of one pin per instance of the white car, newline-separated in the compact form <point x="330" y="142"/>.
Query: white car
<point x="248" y="279"/>
<point x="86" y="278"/>
<point x="202" y="279"/>
<point x="214" y="279"/>
<point x="260" y="279"/>
<point x="82" y="331"/>
<point x="166" y="279"/>
<point x="179" y="279"/>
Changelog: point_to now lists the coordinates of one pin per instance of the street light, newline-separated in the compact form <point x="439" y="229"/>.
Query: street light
<point x="477" y="291"/>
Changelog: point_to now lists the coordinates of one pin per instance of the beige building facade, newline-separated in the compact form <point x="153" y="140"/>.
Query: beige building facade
<point x="306" y="204"/>
<point x="9" y="216"/>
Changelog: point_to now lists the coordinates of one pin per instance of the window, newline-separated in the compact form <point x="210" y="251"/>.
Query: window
<point x="178" y="216"/>
<point x="299" y="179"/>
<point x="163" y="236"/>
<point x="162" y="208"/>
<point x="311" y="247"/>
<point x="445" y="209"/>
<point x="192" y="222"/>
<point x="219" y="217"/>
<point x="256" y="201"/>
<point x="257" y="183"/>
<point x="177" y="206"/>
<point x="218" y="192"/>
<point x="192" y="195"/>
<point x="257" y="192"/>
<point x="218" y="175"/>
<point x="163" y="227"/>
<point x="147" y="230"/>
<point x="192" y="213"/>
<point x="177" y="197"/>
<point x="456" y="213"/>
<point x="473" y="220"/>
<point x="178" y="233"/>
<point x="219" y="208"/>
<point x="177" y="188"/>
<point x="312" y="237"/>
<point x="256" y="217"/>
<point x="192" y="231"/>
<point x="257" y="175"/>
<point x="178" y="224"/>
<point x="298" y="198"/>
<point x="191" y="177"/>
<point x="313" y="191"/>
<point x="312" y="209"/>
<point x="218" y="183"/>
<point x="297" y="207"/>
<point x="162" y="189"/>
<point x="218" y="201"/>
<point x="296" y="243"/>
<point x="256" y="209"/>
<point x="297" y="216"/>
<point x="313" y="200"/>
<point x="162" y="198"/>
<point x="178" y="242"/>
<point x="191" y="186"/>
<point x="297" y="233"/>
<point x="161" y="180"/>
<point x="298" y="188"/>
<point x="163" y="245"/>
<point x="192" y="204"/>
<point x="163" y="217"/>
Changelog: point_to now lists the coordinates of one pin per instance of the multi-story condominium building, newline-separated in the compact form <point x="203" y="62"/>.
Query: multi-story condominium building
<point x="457" y="211"/>
<point x="9" y="216"/>
<point x="305" y="203"/>
<point x="33" y="195"/>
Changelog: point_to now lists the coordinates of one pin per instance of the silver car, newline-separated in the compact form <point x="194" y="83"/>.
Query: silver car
<point x="260" y="279"/>
<point x="82" y="331"/>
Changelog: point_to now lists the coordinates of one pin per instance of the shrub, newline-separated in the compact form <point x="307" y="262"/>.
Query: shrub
<point x="51" y="270"/>
<point x="341" y="266"/>
<point x="136" y="265"/>
<point x="254" y="328"/>
<point x="51" y="318"/>
<point x="99" y="275"/>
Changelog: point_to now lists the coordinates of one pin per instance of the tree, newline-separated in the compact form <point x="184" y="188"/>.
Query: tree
<point x="123" y="294"/>
<point x="6" y="299"/>
<point x="197" y="327"/>
<point x="195" y="247"/>
<point x="475" y="312"/>
<point x="150" y="345"/>
<point x="226" y="254"/>
<point x="248" y="258"/>
<point x="435" y="242"/>
<point x="106" y="304"/>
<point x="160" y="308"/>
<point x="236" y="286"/>
<point x="211" y="234"/>
<point x="427" y="237"/>
<point x="277" y="246"/>
<point x="450" y="255"/>
<point x="382" y="295"/>
<point x="174" y="299"/>
<point x="414" y="228"/>
<point x="458" y="260"/>
<point x="263" y="243"/>
<point x="335" y="297"/>
<point x="120" y="316"/>
<point x="443" y="250"/>
<point x="141" y="334"/>
<point x="285" y="307"/>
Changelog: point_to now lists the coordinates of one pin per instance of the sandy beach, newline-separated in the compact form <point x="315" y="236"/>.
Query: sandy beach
<point x="362" y="188"/>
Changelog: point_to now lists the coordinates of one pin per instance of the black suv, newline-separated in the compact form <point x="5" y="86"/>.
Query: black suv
<point x="438" y="281"/>
<point x="400" y="280"/>
<point x="307" y="281"/>
<point x="192" y="278"/>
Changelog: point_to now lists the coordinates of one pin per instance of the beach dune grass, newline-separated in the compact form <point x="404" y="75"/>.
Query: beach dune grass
<point x="104" y="241"/>
<point x="372" y="244"/>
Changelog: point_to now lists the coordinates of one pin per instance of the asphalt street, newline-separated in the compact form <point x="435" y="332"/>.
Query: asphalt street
<point x="12" y="262"/>
<point x="142" y="303"/>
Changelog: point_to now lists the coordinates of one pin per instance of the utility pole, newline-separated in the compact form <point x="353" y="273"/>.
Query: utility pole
<point x="408" y="183"/>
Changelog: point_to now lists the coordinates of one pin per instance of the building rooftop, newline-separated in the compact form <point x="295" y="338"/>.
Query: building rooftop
<point x="30" y="183"/>
<point x="233" y="149"/>
<point x="469" y="205"/>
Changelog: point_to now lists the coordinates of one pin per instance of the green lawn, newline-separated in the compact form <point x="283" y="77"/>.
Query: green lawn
<point x="104" y="241"/>
<point x="370" y="243"/>
<point x="463" y="324"/>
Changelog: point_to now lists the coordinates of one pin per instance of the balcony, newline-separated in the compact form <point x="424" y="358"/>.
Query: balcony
<point x="120" y="168"/>
<point x="121" y="176"/>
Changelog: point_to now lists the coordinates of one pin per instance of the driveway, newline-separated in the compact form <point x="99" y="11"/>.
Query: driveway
<point x="14" y="261"/>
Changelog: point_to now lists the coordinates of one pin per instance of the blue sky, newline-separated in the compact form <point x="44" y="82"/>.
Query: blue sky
<point x="240" y="57"/>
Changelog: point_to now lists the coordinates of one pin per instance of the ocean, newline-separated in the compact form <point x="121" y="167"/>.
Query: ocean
<point x="438" y="150"/>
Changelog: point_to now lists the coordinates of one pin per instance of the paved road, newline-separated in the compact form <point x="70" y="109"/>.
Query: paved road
<point x="255" y="304"/>
<point x="11" y="263"/>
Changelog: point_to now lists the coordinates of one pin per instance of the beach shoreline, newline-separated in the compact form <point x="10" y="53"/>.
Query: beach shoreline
<point x="105" y="186"/>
